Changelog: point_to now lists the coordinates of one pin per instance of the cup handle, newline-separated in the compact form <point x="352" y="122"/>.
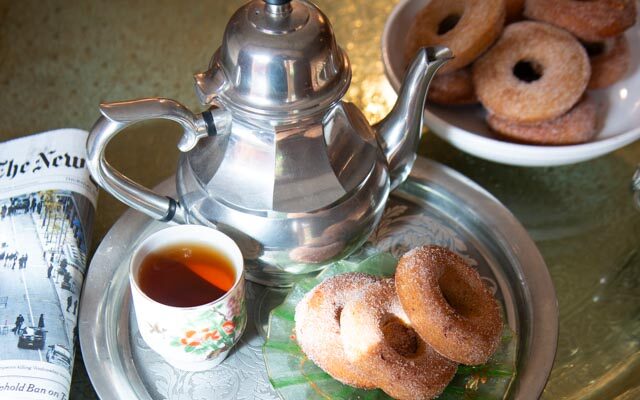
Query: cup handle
<point x="117" y="116"/>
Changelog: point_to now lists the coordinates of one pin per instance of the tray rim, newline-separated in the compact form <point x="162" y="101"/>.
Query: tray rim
<point x="105" y="366"/>
<point x="544" y="337"/>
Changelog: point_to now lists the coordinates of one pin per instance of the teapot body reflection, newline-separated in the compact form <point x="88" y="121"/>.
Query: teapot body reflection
<point x="296" y="176"/>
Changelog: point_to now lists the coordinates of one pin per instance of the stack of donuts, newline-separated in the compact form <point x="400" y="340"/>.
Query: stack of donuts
<point x="532" y="76"/>
<point x="404" y="335"/>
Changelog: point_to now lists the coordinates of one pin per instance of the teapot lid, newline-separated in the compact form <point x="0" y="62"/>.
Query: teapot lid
<point x="278" y="57"/>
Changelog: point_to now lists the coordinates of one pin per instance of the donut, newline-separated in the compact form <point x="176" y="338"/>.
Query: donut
<point x="592" y="21"/>
<point x="579" y="125"/>
<point x="378" y="339"/>
<point x="454" y="88"/>
<point x="535" y="72"/>
<point x="448" y="304"/>
<point x="467" y="27"/>
<point x="317" y="326"/>
<point x="514" y="10"/>
<point x="609" y="61"/>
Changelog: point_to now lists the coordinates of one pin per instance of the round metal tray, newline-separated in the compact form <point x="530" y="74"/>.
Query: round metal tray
<point x="435" y="205"/>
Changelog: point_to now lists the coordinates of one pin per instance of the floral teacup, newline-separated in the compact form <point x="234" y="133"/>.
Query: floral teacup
<point x="191" y="338"/>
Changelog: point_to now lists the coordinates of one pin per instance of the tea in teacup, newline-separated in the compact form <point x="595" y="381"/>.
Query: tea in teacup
<point x="185" y="275"/>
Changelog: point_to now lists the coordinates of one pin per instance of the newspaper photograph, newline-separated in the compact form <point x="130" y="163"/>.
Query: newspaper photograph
<point x="47" y="206"/>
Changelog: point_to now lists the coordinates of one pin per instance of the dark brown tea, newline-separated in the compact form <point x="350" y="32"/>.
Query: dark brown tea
<point x="185" y="275"/>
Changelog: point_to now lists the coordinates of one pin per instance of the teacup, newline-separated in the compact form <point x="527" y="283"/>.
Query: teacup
<point x="192" y="337"/>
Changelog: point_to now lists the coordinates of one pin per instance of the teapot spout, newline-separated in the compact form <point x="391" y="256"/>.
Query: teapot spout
<point x="399" y="132"/>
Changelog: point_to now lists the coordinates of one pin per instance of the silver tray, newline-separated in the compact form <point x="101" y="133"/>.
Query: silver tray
<point x="435" y="205"/>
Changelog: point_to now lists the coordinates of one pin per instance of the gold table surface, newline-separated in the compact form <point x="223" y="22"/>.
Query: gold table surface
<point x="59" y="59"/>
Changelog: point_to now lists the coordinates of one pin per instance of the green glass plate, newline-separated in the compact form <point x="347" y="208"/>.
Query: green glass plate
<point x="295" y="377"/>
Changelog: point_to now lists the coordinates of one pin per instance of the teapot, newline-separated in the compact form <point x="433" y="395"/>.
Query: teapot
<point x="278" y="161"/>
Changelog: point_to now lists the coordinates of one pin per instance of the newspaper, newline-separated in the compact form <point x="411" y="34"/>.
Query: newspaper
<point x="47" y="206"/>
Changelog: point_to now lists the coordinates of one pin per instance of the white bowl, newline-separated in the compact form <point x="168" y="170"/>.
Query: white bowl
<point x="464" y="126"/>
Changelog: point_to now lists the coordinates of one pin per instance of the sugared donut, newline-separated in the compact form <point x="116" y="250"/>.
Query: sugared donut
<point x="448" y="304"/>
<point x="535" y="72"/>
<point x="378" y="339"/>
<point x="609" y="61"/>
<point x="454" y="88"/>
<point x="591" y="21"/>
<point x="579" y="125"/>
<point x="514" y="10"/>
<point x="317" y="322"/>
<point x="467" y="27"/>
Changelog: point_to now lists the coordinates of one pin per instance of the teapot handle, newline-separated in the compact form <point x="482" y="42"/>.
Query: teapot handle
<point x="117" y="116"/>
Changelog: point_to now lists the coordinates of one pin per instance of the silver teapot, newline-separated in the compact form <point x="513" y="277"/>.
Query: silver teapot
<point x="279" y="162"/>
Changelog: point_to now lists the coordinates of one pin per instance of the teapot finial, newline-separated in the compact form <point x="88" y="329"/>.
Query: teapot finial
<point x="277" y="58"/>
<point x="399" y="132"/>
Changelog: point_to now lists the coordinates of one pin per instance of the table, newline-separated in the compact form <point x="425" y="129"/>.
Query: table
<point x="59" y="59"/>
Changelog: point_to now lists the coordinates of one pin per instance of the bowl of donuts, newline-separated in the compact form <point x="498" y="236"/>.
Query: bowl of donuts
<point x="420" y="327"/>
<point x="533" y="82"/>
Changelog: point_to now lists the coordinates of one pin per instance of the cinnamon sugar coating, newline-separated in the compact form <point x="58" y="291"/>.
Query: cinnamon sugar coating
<point x="558" y="61"/>
<point x="454" y="88"/>
<point x="317" y="321"/>
<point x="378" y="339"/>
<point x="611" y="65"/>
<point x="579" y="125"/>
<point x="591" y="21"/>
<point x="467" y="27"/>
<point x="448" y="304"/>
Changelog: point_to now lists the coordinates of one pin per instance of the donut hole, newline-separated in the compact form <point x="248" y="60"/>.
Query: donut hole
<point x="457" y="292"/>
<point x="594" y="49"/>
<point x="448" y="23"/>
<point x="528" y="71"/>
<point x="401" y="337"/>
